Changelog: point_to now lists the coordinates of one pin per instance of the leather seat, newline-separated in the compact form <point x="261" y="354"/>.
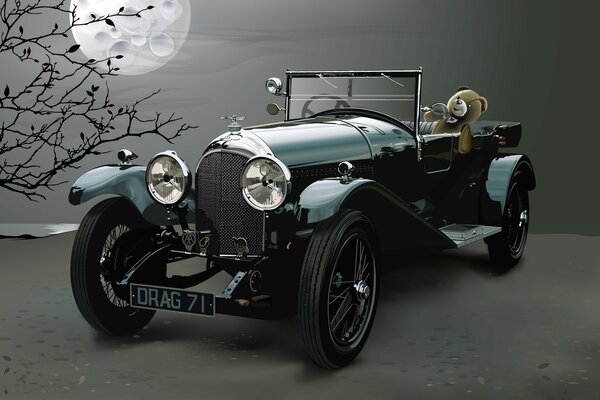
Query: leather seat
<point x="465" y="140"/>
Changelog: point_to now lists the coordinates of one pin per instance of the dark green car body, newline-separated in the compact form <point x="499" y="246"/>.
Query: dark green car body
<point x="408" y="182"/>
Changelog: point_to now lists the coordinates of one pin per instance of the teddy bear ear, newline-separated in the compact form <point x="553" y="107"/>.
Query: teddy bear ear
<point x="484" y="103"/>
<point x="463" y="88"/>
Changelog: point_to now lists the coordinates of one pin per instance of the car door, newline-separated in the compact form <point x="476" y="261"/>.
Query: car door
<point x="437" y="151"/>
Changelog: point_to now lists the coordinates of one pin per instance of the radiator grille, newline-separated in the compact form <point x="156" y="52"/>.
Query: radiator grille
<point x="221" y="208"/>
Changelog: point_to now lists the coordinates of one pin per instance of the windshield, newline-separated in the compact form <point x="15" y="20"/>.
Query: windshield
<point x="394" y="93"/>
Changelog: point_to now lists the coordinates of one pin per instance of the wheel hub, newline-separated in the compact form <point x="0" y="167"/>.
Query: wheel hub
<point x="362" y="290"/>
<point x="523" y="218"/>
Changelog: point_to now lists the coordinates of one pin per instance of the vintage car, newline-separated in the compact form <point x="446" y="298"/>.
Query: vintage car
<point x="298" y="212"/>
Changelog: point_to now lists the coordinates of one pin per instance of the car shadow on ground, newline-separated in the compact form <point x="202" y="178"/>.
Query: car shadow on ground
<point x="405" y="276"/>
<point x="275" y="339"/>
<point x="413" y="272"/>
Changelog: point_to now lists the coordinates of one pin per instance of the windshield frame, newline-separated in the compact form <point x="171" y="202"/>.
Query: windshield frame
<point x="416" y="73"/>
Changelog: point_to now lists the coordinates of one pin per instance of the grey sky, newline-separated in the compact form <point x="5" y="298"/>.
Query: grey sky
<point x="519" y="55"/>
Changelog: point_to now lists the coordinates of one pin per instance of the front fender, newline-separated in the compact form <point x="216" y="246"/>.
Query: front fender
<point x="500" y="174"/>
<point x="323" y="199"/>
<point x="128" y="181"/>
<point x="396" y="223"/>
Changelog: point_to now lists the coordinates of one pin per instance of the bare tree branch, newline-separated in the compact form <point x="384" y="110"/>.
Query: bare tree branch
<point x="41" y="119"/>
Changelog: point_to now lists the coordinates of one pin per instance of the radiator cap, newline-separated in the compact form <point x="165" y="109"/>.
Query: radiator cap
<point x="234" y="126"/>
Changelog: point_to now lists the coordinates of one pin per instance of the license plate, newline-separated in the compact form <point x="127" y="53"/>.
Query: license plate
<point x="163" y="298"/>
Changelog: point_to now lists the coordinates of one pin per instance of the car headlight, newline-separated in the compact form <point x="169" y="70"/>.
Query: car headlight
<point x="265" y="182"/>
<point x="168" y="178"/>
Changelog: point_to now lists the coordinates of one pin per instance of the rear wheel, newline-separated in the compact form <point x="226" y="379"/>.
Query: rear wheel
<point x="339" y="288"/>
<point x="506" y="248"/>
<point x="95" y="268"/>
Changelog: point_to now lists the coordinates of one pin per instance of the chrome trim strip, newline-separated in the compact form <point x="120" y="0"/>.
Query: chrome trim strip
<point x="245" y="143"/>
<point x="420" y="140"/>
<point x="232" y="151"/>
<point x="252" y="256"/>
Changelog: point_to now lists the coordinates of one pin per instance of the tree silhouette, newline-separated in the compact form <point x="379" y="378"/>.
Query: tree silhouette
<point x="41" y="118"/>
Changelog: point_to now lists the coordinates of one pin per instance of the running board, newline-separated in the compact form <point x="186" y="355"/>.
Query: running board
<point x="464" y="234"/>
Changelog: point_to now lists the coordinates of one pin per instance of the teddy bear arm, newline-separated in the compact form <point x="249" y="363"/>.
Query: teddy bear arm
<point x="431" y="117"/>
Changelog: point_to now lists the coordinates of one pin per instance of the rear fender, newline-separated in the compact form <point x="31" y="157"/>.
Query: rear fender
<point x="501" y="171"/>
<point x="396" y="224"/>
<point x="129" y="182"/>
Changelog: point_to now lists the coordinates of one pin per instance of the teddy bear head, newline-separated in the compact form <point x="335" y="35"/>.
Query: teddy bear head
<point x="466" y="105"/>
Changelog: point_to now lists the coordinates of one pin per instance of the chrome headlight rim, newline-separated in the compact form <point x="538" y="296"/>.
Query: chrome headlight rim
<point x="274" y="86"/>
<point x="286" y="173"/>
<point x="187" y="174"/>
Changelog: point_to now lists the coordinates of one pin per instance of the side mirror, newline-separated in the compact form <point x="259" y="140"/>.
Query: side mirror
<point x="439" y="109"/>
<point x="274" y="109"/>
<point x="274" y="86"/>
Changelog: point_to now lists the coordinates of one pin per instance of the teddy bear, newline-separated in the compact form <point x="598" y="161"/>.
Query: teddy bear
<point x="463" y="109"/>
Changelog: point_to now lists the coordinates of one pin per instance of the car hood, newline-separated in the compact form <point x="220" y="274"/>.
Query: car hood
<point x="313" y="141"/>
<point x="319" y="140"/>
<point x="322" y="140"/>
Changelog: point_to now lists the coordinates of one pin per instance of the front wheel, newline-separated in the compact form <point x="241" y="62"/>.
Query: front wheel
<point x="339" y="288"/>
<point x="94" y="269"/>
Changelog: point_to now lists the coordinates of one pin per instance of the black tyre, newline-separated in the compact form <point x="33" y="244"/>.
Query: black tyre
<point x="103" y="303"/>
<point x="339" y="288"/>
<point x="506" y="248"/>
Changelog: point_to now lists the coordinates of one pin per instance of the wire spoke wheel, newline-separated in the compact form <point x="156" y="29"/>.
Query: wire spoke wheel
<point x="95" y="269"/>
<point x="339" y="288"/>
<point x="350" y="303"/>
<point x="108" y="267"/>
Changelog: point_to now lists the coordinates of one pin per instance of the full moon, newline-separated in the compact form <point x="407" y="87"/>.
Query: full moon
<point x="145" y="43"/>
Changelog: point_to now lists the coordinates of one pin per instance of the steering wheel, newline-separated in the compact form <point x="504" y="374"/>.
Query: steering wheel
<point x="307" y="112"/>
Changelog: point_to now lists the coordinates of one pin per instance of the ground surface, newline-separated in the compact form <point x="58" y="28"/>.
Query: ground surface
<point x="445" y="329"/>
